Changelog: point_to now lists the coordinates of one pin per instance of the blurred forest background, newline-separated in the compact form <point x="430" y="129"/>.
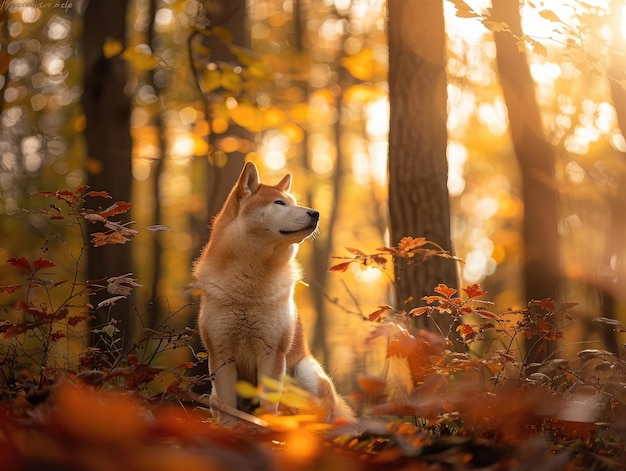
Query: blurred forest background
<point x="158" y="102"/>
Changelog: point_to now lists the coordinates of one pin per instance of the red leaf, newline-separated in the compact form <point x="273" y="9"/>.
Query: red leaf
<point x="24" y="307"/>
<point x="15" y="330"/>
<point x="380" y="260"/>
<point x="21" y="264"/>
<point x="374" y="316"/>
<point x="445" y="290"/>
<point x="102" y="194"/>
<point x="120" y="207"/>
<point x="356" y="251"/>
<point x="10" y="289"/>
<point x="42" y="263"/>
<point x="341" y="267"/>
<point x="547" y="304"/>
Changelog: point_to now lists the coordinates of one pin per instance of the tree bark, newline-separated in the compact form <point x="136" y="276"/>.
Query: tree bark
<point x="109" y="146"/>
<point x="536" y="157"/>
<point x="418" y="195"/>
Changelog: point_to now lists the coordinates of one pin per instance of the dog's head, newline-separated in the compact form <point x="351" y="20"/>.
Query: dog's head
<point x="270" y="211"/>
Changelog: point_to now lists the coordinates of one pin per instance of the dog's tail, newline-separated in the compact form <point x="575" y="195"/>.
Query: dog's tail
<point x="312" y="377"/>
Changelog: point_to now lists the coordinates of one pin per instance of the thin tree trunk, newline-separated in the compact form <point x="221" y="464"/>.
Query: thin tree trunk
<point x="609" y="278"/>
<point x="216" y="182"/>
<point x="155" y="311"/>
<point x="536" y="157"/>
<point x="418" y="170"/>
<point x="109" y="146"/>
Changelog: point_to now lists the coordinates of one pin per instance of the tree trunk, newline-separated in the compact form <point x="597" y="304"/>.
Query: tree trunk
<point x="216" y="182"/>
<point x="418" y="170"/>
<point x="609" y="278"/>
<point x="109" y="147"/>
<point x="536" y="157"/>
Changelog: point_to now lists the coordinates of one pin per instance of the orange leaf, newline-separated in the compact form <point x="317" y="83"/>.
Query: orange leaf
<point x="374" y="316"/>
<point x="445" y="290"/>
<point x="341" y="267"/>
<point x="418" y="311"/>
<point x="120" y="207"/>
<point x="473" y="291"/>
<point x="485" y="314"/>
<point x="371" y="385"/>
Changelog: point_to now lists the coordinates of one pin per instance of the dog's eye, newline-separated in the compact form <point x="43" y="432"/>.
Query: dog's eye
<point x="281" y="202"/>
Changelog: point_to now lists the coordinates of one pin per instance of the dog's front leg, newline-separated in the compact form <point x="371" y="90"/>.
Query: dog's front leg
<point x="223" y="378"/>
<point x="273" y="367"/>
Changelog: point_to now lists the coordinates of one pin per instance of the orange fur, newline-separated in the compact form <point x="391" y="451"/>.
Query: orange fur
<point x="248" y="320"/>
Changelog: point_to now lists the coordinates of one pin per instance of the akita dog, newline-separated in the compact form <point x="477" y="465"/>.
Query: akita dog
<point x="248" y="319"/>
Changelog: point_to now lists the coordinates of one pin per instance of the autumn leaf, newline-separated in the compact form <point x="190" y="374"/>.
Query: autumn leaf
<point x="9" y="289"/>
<point x="550" y="16"/>
<point x="371" y="385"/>
<point x="618" y="327"/>
<point x="21" y="264"/>
<point x="418" y="311"/>
<point x="119" y="207"/>
<point x="340" y="267"/>
<point x="473" y="291"/>
<point x="376" y="315"/>
<point x="540" y="49"/>
<point x="42" y="263"/>
<point x="485" y="314"/>
<point x="445" y="290"/>
<point x="122" y="285"/>
<point x="140" y="58"/>
<point x="100" y="194"/>
<point x="25" y="307"/>
<point x="463" y="10"/>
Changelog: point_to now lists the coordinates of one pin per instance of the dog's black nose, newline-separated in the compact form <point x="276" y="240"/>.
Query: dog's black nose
<point x="313" y="214"/>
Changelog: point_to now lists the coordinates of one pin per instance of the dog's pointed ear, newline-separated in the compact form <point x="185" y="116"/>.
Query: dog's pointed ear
<point x="249" y="179"/>
<point x="285" y="183"/>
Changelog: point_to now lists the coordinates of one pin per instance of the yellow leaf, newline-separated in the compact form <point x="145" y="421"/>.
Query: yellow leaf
<point x="495" y="26"/>
<point x="231" y="80"/>
<point x="243" y="55"/>
<point x="360" y="65"/>
<point x="550" y="16"/>
<point x="271" y="384"/>
<point x="112" y="47"/>
<point x="139" y="58"/>
<point x="540" y="49"/>
<point x="222" y="33"/>
<point x="246" y="390"/>
<point x="211" y="80"/>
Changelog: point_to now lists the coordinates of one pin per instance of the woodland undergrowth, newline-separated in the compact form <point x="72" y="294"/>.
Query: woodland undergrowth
<point x="77" y="394"/>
